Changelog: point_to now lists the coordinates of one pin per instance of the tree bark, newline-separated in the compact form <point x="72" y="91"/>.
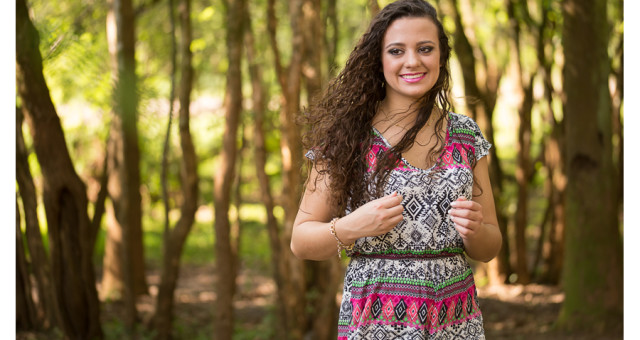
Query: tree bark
<point x="124" y="257"/>
<point x="64" y="194"/>
<point x="176" y="238"/>
<point x="553" y="157"/>
<point x="167" y="139"/>
<point x="226" y="258"/>
<point x="289" y="79"/>
<point x="523" y="169"/>
<point x="374" y="7"/>
<point x="592" y="274"/>
<point x="41" y="267"/>
<point x="480" y="98"/>
<point x="313" y="31"/>
<point x="260" y="154"/>
<point x="27" y="316"/>
<point x="322" y="278"/>
<point x="331" y="39"/>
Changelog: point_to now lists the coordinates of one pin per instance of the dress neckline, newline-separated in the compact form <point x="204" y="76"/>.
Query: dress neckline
<point x="407" y="163"/>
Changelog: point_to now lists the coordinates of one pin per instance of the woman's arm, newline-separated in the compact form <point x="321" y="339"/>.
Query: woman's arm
<point x="476" y="220"/>
<point x="311" y="238"/>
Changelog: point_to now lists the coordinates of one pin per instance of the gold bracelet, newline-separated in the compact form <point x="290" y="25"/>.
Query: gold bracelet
<point x="332" y="229"/>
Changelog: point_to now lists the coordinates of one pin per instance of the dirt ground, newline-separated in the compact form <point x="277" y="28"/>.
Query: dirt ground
<point x="510" y="311"/>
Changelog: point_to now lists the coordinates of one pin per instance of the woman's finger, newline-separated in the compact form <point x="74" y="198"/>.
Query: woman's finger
<point x="465" y="204"/>
<point x="389" y="201"/>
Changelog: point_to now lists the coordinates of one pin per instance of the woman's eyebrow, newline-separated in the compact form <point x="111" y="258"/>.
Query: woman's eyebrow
<point x="402" y="44"/>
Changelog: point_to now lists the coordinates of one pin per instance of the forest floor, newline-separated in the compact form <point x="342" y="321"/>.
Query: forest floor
<point x="518" y="312"/>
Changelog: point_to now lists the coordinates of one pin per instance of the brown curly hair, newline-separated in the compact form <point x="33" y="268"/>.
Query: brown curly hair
<point x="340" y="121"/>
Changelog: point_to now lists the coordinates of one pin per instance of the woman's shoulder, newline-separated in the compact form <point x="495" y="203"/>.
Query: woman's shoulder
<point x="461" y="121"/>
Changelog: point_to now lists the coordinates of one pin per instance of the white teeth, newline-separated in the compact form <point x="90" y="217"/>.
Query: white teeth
<point x="413" y="76"/>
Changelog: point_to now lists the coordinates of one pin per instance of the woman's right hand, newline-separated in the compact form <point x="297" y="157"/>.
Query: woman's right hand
<point x="375" y="218"/>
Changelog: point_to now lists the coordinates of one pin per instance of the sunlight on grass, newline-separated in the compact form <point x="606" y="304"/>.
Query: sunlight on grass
<point x="199" y="246"/>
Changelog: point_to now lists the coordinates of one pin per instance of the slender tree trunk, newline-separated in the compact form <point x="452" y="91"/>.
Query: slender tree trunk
<point x="291" y="150"/>
<point x="260" y="154"/>
<point x="64" y="194"/>
<point x="167" y="139"/>
<point x="226" y="258"/>
<point x="331" y="38"/>
<point x="99" y="204"/>
<point x="374" y="8"/>
<point x="523" y="170"/>
<point x="175" y="238"/>
<point x="553" y="247"/>
<point x="313" y="31"/>
<point x="27" y="316"/>
<point x="322" y="277"/>
<point x="592" y="281"/>
<point x="481" y="101"/>
<point x="236" y="197"/>
<point x="124" y="182"/>
<point x="41" y="267"/>
<point x="617" y="98"/>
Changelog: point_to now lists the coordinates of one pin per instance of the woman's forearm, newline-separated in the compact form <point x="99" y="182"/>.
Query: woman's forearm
<point x="485" y="244"/>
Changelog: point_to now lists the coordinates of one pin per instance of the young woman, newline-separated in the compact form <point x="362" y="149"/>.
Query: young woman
<point x="401" y="183"/>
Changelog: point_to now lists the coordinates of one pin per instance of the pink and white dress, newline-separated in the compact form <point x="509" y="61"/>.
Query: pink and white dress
<point x="414" y="282"/>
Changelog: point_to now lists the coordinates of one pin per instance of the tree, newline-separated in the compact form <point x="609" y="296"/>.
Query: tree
<point x="592" y="275"/>
<point x="226" y="254"/>
<point x="481" y="97"/>
<point x="175" y="238"/>
<point x="64" y="194"/>
<point x="293" y="289"/>
<point x="124" y="256"/>
<point x="46" y="308"/>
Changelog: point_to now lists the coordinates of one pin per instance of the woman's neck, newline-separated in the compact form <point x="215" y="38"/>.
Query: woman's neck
<point x="398" y="114"/>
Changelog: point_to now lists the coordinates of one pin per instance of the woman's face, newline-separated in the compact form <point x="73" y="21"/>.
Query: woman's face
<point x="410" y="58"/>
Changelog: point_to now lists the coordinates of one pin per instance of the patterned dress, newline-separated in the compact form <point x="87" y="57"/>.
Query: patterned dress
<point x="414" y="282"/>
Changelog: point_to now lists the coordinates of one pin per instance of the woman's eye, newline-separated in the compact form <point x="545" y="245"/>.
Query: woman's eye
<point x="425" y="49"/>
<point x="395" y="51"/>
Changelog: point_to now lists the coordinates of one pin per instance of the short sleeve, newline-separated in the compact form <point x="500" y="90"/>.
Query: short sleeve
<point x="481" y="144"/>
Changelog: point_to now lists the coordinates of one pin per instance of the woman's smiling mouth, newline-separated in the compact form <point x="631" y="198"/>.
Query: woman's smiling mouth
<point x="413" y="77"/>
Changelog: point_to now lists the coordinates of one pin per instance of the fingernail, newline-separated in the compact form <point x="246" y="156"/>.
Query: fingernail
<point x="453" y="204"/>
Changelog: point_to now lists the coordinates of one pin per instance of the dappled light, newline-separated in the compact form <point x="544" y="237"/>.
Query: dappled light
<point x="137" y="219"/>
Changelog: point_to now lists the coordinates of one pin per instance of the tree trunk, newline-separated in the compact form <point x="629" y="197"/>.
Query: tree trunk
<point x="167" y="139"/>
<point x="124" y="257"/>
<point x="374" y="7"/>
<point x="226" y="258"/>
<point x="291" y="150"/>
<point x="481" y="101"/>
<point x="523" y="169"/>
<point x="260" y="154"/>
<point x="175" y="239"/>
<point x="592" y="273"/>
<point x="64" y="194"/>
<point x="331" y="40"/>
<point x="322" y="278"/>
<point x="313" y="31"/>
<point x="27" y="316"/>
<point x="41" y="267"/>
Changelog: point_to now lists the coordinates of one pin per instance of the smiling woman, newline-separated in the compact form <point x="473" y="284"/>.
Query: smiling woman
<point x="401" y="183"/>
<point x="410" y="59"/>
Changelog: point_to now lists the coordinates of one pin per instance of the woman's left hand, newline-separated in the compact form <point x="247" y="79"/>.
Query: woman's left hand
<point x="467" y="217"/>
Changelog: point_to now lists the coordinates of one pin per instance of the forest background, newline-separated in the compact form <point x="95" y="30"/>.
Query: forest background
<point x="156" y="140"/>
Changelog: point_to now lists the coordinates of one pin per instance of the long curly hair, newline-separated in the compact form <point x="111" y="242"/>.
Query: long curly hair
<point x="340" y="122"/>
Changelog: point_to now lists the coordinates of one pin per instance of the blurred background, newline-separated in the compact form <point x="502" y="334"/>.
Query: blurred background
<point x="159" y="164"/>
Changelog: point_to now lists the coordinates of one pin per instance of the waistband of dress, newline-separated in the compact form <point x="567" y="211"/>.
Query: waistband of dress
<point x="395" y="254"/>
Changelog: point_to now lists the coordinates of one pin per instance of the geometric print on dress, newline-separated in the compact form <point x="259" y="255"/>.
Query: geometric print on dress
<point x="414" y="282"/>
<point x="413" y="303"/>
